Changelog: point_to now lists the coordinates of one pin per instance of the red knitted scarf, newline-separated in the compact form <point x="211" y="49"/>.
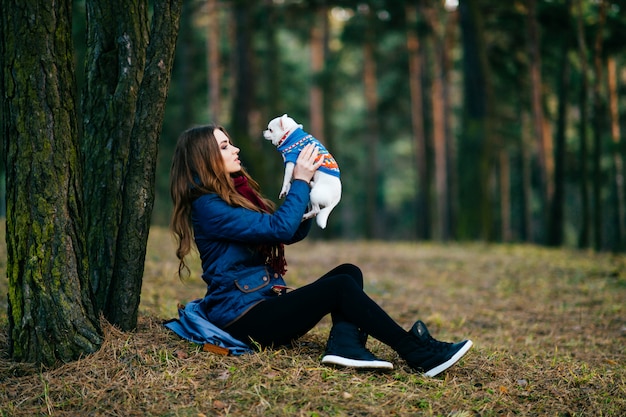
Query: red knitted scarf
<point x="274" y="254"/>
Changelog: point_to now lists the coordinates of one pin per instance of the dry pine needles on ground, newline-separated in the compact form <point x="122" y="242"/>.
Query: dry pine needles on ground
<point x="549" y="327"/>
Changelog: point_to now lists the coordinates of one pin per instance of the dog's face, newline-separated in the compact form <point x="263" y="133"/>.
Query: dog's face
<point x="277" y="128"/>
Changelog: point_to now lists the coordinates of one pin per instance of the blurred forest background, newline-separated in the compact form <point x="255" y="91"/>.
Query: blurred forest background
<point x="477" y="119"/>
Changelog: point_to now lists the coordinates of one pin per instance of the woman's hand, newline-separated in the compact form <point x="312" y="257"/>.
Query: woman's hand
<point x="306" y="164"/>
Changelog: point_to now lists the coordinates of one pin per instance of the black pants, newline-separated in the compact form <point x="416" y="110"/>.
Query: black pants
<point x="280" y="320"/>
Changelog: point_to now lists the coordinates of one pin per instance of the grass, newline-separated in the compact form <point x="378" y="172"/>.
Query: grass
<point x="549" y="327"/>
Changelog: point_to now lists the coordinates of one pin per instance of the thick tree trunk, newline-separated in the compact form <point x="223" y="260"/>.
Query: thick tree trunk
<point x="51" y="312"/>
<point x="114" y="68"/>
<point x="123" y="105"/>
<point x="138" y="192"/>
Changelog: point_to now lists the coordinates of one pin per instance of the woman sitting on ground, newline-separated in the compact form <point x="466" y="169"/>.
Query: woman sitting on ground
<point x="240" y="237"/>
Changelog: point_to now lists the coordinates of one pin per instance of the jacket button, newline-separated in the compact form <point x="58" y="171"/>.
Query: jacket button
<point x="245" y="287"/>
<point x="264" y="278"/>
<point x="275" y="275"/>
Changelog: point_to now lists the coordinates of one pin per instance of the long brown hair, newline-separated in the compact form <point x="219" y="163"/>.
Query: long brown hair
<point x="198" y="169"/>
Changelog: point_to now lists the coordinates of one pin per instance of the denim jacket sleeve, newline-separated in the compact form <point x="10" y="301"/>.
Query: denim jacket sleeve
<point x="214" y="219"/>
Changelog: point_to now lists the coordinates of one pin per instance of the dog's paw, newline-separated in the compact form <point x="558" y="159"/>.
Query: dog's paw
<point x="284" y="191"/>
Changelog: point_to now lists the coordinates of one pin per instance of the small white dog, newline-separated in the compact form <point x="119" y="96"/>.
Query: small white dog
<point x="289" y="138"/>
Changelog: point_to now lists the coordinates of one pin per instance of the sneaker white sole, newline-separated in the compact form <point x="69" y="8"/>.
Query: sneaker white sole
<point x="355" y="363"/>
<point x="440" y="368"/>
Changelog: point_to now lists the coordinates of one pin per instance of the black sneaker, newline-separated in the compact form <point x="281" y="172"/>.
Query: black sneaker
<point x="346" y="347"/>
<point x="431" y="356"/>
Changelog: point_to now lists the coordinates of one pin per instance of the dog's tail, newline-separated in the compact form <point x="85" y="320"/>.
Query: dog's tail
<point x="322" y="217"/>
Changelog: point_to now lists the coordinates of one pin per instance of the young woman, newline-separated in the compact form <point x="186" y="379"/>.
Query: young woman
<point x="240" y="236"/>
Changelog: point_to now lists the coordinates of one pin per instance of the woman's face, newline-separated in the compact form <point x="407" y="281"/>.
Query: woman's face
<point x="229" y="152"/>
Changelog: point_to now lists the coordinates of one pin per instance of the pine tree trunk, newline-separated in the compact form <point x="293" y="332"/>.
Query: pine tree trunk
<point x="316" y="98"/>
<point x="618" y="161"/>
<point x="415" y="54"/>
<point x="598" y="130"/>
<point x="438" y="101"/>
<point x="374" y="220"/>
<point x="213" y="59"/>
<point x="505" y="196"/>
<point x="555" y="223"/>
<point x="585" y="222"/>
<point x="51" y="312"/>
<point x="243" y="82"/>
<point x="475" y="220"/>
<point x="543" y="141"/>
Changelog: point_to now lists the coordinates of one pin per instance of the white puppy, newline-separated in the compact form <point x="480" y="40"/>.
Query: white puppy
<point x="289" y="138"/>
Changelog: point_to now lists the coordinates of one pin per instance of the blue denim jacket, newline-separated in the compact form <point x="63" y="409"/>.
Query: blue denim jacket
<point x="227" y="237"/>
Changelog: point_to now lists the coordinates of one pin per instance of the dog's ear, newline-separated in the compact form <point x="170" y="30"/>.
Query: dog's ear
<point x="282" y="119"/>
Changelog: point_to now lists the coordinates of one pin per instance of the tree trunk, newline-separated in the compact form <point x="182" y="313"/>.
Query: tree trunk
<point x="316" y="99"/>
<point x="555" y="223"/>
<point x="505" y="196"/>
<point x="438" y="100"/>
<point x="115" y="63"/>
<point x="585" y="223"/>
<point x="51" y="311"/>
<point x="374" y="220"/>
<point x="598" y="128"/>
<point x="122" y="114"/>
<point x="415" y="56"/>
<point x="618" y="162"/>
<point x="213" y="60"/>
<point x="138" y="192"/>
<point x="544" y="146"/>
<point x="475" y="220"/>
<point x="528" y="227"/>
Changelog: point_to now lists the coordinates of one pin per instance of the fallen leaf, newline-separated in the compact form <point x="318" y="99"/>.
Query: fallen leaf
<point x="219" y="404"/>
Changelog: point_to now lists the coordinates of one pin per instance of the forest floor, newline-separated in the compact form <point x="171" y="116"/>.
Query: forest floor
<point x="549" y="328"/>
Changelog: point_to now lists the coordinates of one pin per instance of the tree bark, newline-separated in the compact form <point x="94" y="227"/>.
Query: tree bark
<point x="213" y="60"/>
<point x="123" y="103"/>
<point x="475" y="220"/>
<point x="415" y="56"/>
<point x="316" y="99"/>
<point x="555" y="223"/>
<point x="598" y="128"/>
<point x="374" y="220"/>
<point x="505" y="196"/>
<point x="138" y="191"/>
<point x="244" y="84"/>
<point x="115" y="63"/>
<point x="440" y="142"/>
<point x="51" y="311"/>
<point x="618" y="161"/>
<point x="544" y="146"/>
<point x="585" y="221"/>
